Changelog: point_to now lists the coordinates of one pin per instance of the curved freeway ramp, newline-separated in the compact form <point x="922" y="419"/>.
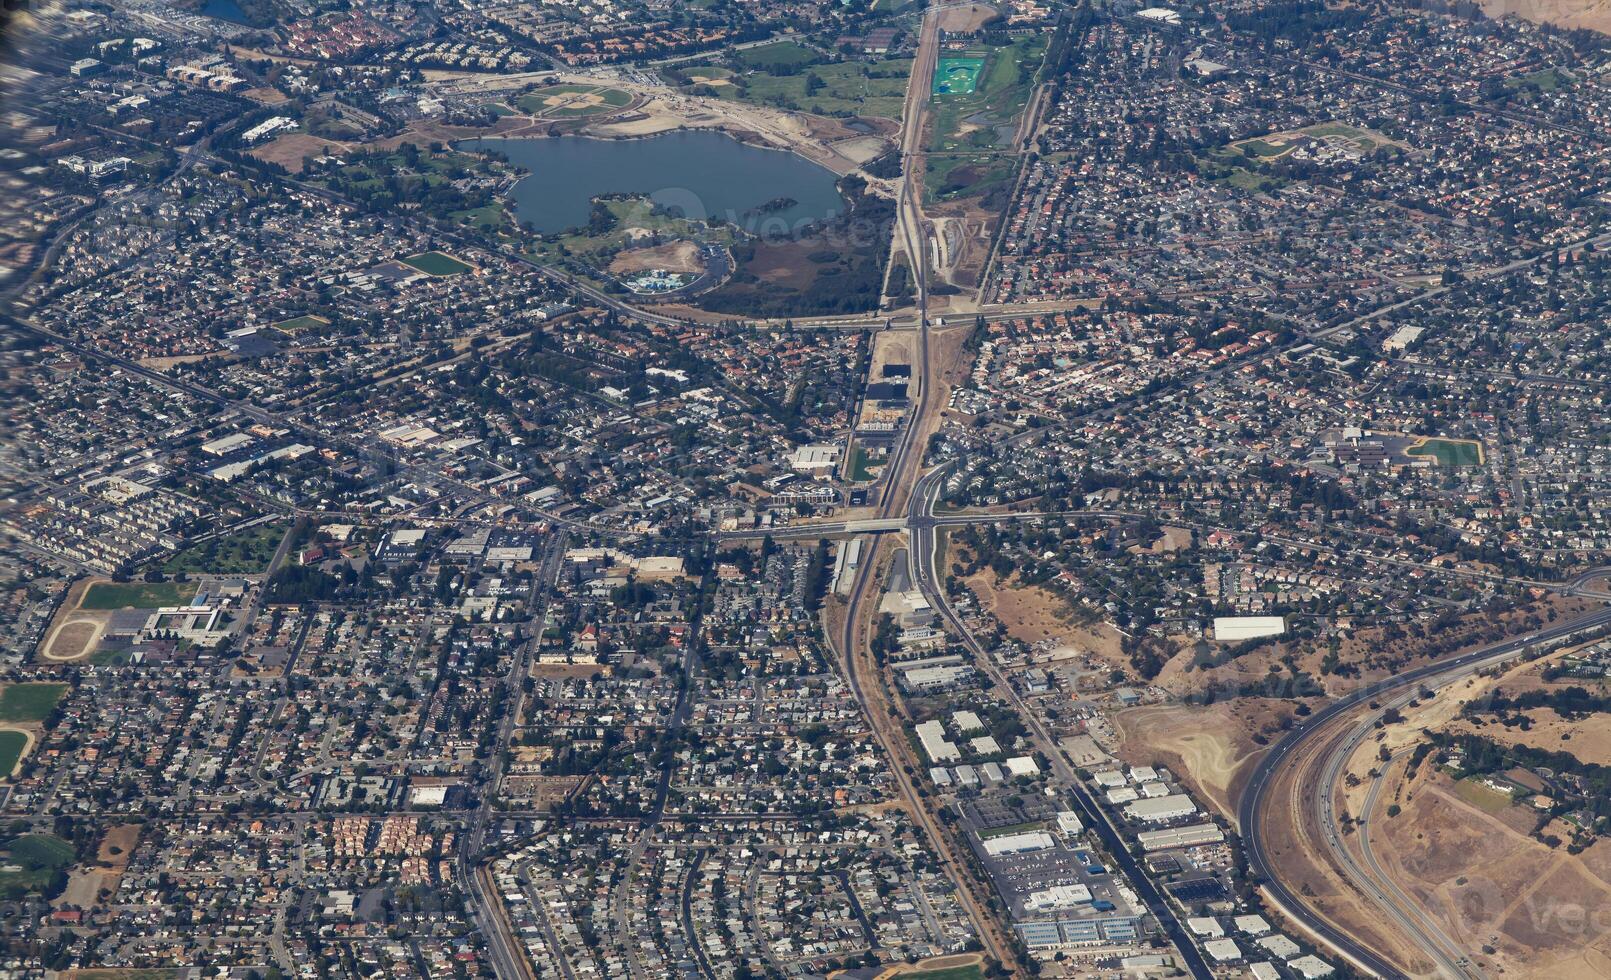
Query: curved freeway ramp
<point x="1257" y="795"/>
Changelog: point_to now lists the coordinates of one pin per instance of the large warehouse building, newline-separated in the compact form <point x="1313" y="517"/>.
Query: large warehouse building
<point x="1234" y="629"/>
<point x="1157" y="809"/>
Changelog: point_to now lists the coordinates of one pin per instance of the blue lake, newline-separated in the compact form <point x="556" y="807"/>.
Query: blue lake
<point x="226" y="10"/>
<point x="704" y="175"/>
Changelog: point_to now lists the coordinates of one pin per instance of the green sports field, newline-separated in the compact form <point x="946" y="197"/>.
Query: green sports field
<point x="11" y="746"/>
<point x="957" y="76"/>
<point x="137" y="595"/>
<point x="33" y="861"/>
<point x="297" y="324"/>
<point x="1449" y="452"/>
<point x="437" y="264"/>
<point x="29" y="702"/>
<point x="947" y="973"/>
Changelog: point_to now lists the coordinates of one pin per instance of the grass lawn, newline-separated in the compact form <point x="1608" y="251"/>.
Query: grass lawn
<point x="107" y="658"/>
<point x="39" y="857"/>
<point x="953" y="175"/>
<point x="245" y="553"/>
<point x="1228" y="165"/>
<point x="1483" y="798"/>
<point x="1247" y="180"/>
<point x="488" y="219"/>
<point x="985" y="115"/>
<point x="779" y="53"/>
<point x="1449" y="452"/>
<point x="437" y="264"/>
<point x="11" y="746"/>
<point x="1259" y="148"/>
<point x="29" y="702"/>
<point x="957" y="76"/>
<point x="849" y="88"/>
<point x="568" y="100"/>
<point x="1547" y="80"/>
<point x="297" y="324"/>
<point x="137" y="595"/>
<point x="949" y="973"/>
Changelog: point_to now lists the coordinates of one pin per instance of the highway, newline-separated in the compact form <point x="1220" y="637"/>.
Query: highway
<point x="508" y="956"/>
<point x="1379" y="887"/>
<point x="924" y="559"/>
<point x="861" y="673"/>
<point x="1256" y="795"/>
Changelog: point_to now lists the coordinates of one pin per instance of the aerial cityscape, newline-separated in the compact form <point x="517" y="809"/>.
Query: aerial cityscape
<point x="865" y="489"/>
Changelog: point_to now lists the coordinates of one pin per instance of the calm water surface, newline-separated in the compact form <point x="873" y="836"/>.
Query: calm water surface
<point x="225" y="10"/>
<point x="705" y="175"/>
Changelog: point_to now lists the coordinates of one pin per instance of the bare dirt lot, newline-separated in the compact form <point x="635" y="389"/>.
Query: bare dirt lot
<point x="1493" y="886"/>
<point x="74" y="632"/>
<point x="1588" y="739"/>
<point x="89" y="883"/>
<point x="671" y="257"/>
<point x="76" y="637"/>
<point x="290" y="150"/>
<point x="1592" y="14"/>
<point x="266" y="95"/>
<point x="966" y="20"/>
<point x="1209" y="747"/>
<point x="1036" y="615"/>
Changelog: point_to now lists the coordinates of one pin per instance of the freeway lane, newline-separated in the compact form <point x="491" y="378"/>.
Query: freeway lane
<point x="924" y="546"/>
<point x="860" y="672"/>
<point x="1255" y="796"/>
<point x="507" y="953"/>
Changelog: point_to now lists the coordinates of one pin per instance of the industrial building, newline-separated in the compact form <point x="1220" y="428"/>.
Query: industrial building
<point x="1158" y="809"/>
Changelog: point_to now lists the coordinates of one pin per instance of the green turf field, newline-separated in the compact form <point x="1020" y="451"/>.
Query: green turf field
<point x="297" y="324"/>
<point x="948" y="973"/>
<point x="29" y="702"/>
<point x="437" y="264"/>
<point x="137" y="595"/>
<point x="1547" y="80"/>
<point x="1449" y="452"/>
<point x="11" y="746"/>
<point x="38" y="858"/>
<point x="779" y="53"/>
<point x="559" y="101"/>
<point x="957" y="76"/>
<point x="848" y="88"/>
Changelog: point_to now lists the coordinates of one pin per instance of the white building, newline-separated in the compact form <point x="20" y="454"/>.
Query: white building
<point x="1312" y="967"/>
<point x="1234" y="629"/>
<point x="1057" y="897"/>
<point x="931" y="735"/>
<point x="1223" y="950"/>
<point x="1194" y="836"/>
<point x="1032" y="840"/>
<point x="1160" y="808"/>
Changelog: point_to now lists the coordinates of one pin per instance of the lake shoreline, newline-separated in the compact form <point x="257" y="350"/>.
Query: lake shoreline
<point x="710" y="175"/>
